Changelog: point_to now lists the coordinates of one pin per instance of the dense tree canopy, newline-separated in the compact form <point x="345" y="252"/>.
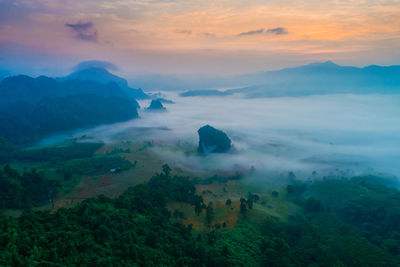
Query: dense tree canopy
<point x="137" y="229"/>
<point x="24" y="190"/>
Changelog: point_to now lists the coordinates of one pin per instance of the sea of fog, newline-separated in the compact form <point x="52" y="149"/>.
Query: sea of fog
<point x="349" y="134"/>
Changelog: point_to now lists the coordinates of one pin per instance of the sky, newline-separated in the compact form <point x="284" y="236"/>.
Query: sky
<point x="196" y="37"/>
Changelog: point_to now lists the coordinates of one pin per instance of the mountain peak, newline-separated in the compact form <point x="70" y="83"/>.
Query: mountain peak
<point x="327" y="63"/>
<point x="98" y="74"/>
<point x="101" y="74"/>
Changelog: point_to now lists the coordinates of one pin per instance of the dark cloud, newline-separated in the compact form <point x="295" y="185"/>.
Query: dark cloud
<point x="255" y="32"/>
<point x="95" y="64"/>
<point x="278" y="31"/>
<point x="189" y="32"/>
<point x="84" y="31"/>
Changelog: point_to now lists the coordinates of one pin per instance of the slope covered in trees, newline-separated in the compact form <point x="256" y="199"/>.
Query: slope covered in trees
<point x="24" y="123"/>
<point x="137" y="229"/>
<point x="32" y="108"/>
<point x="24" y="190"/>
<point x="23" y="88"/>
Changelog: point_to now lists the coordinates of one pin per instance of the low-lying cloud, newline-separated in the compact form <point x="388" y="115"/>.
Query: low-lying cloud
<point x="84" y="31"/>
<point x="95" y="64"/>
<point x="329" y="134"/>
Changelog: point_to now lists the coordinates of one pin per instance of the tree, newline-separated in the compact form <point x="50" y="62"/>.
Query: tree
<point x="291" y="176"/>
<point x="313" y="205"/>
<point x="178" y="214"/>
<point x="209" y="213"/>
<point x="290" y="189"/>
<point x="198" y="204"/>
<point x="250" y="203"/>
<point x="198" y="208"/>
<point x="243" y="206"/>
<point x="166" y="169"/>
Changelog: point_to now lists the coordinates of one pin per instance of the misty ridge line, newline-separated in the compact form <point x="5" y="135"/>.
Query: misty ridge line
<point x="274" y="132"/>
<point x="315" y="78"/>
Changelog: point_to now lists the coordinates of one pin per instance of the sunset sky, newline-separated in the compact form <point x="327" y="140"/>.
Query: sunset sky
<point x="190" y="36"/>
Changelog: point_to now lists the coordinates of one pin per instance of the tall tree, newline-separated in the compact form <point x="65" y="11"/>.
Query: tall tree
<point x="209" y="213"/>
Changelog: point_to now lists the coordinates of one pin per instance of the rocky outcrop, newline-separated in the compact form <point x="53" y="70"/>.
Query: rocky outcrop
<point x="156" y="105"/>
<point x="212" y="140"/>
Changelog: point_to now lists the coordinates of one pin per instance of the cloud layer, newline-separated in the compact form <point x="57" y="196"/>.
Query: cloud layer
<point x="95" y="64"/>
<point x="329" y="134"/>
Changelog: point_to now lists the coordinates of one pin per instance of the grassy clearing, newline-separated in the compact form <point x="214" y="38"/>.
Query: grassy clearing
<point x="91" y="176"/>
<point x="227" y="216"/>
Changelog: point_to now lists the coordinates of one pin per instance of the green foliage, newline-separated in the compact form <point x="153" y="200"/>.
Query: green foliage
<point x="243" y="206"/>
<point x="94" y="165"/>
<point x="24" y="190"/>
<point x="296" y="189"/>
<point x="363" y="203"/>
<point x="136" y="229"/>
<point x="312" y="205"/>
<point x="318" y="242"/>
<point x="57" y="154"/>
<point x="239" y="246"/>
<point x="23" y="123"/>
<point x="250" y="203"/>
<point x="198" y="204"/>
<point x="7" y="150"/>
<point x="166" y="169"/>
<point x="219" y="179"/>
<point x="209" y="213"/>
<point x="275" y="193"/>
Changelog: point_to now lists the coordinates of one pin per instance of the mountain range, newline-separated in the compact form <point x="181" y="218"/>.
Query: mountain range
<point x="313" y="79"/>
<point x="322" y="78"/>
<point x="33" y="108"/>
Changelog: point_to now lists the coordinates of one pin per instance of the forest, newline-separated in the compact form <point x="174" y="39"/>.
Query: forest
<point x="137" y="228"/>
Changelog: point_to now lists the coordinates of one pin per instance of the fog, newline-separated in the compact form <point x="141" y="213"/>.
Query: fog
<point x="331" y="134"/>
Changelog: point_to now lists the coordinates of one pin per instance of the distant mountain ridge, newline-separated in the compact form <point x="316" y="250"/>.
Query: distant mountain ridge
<point x="314" y="79"/>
